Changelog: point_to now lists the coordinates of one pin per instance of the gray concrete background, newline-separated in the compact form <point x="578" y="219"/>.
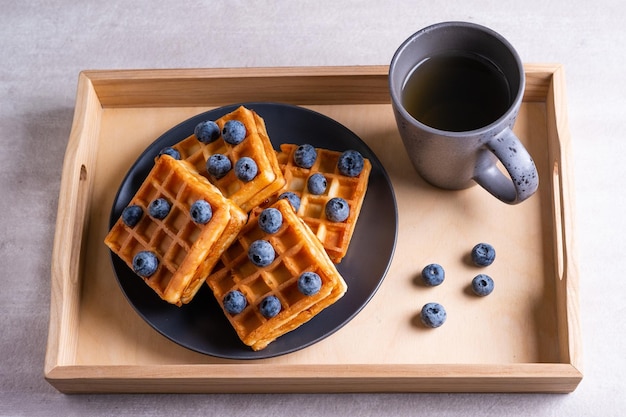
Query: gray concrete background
<point x="45" y="44"/>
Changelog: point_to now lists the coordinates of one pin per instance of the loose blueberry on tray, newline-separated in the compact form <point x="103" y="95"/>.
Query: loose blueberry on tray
<point x="433" y="315"/>
<point x="433" y="275"/>
<point x="482" y="285"/>
<point x="483" y="254"/>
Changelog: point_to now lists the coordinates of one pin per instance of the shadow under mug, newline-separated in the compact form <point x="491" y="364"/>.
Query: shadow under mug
<point x="457" y="159"/>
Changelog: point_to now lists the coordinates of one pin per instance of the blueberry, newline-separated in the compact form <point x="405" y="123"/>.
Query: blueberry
<point x="309" y="283"/>
<point x="350" y="163"/>
<point x="482" y="285"/>
<point x="293" y="199"/>
<point x="261" y="253"/>
<point x="218" y="165"/>
<point x="234" y="132"/>
<point x="433" y="315"/>
<point x="207" y="132"/>
<point x="305" y="156"/>
<point x="337" y="209"/>
<point x="316" y="184"/>
<point x="270" y="306"/>
<point x="145" y="263"/>
<point x="270" y="220"/>
<point x="159" y="208"/>
<point x="483" y="254"/>
<point x="433" y="275"/>
<point x="168" y="150"/>
<point x="246" y="169"/>
<point x="234" y="302"/>
<point x="201" y="212"/>
<point x="131" y="215"/>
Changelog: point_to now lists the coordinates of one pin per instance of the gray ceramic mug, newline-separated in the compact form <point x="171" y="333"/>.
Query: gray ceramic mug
<point x="440" y="80"/>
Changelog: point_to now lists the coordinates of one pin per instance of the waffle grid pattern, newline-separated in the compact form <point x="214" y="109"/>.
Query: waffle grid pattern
<point x="335" y="236"/>
<point x="296" y="252"/>
<point x="173" y="239"/>
<point x="256" y="145"/>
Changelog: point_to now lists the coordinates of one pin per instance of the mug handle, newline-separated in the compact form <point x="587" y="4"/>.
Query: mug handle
<point x="523" y="181"/>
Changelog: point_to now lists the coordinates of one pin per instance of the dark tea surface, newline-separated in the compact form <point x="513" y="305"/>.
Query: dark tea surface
<point x="456" y="92"/>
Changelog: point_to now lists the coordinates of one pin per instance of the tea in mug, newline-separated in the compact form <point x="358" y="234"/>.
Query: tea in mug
<point x="456" y="92"/>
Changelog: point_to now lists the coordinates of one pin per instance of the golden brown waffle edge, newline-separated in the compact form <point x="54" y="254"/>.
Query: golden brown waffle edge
<point x="186" y="251"/>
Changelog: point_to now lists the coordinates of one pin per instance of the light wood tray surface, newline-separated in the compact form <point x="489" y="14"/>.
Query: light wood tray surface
<point x="523" y="337"/>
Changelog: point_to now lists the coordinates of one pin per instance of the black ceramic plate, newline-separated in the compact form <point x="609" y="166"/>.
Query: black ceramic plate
<point x="201" y="325"/>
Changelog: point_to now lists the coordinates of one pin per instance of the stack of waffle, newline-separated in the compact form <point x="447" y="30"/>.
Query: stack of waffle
<point x="297" y="250"/>
<point x="218" y="251"/>
<point x="257" y="145"/>
<point x="186" y="250"/>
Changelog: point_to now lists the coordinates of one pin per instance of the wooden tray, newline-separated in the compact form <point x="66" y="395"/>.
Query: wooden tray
<point x="523" y="337"/>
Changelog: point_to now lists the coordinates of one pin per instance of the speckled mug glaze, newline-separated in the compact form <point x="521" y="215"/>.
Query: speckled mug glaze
<point x="458" y="160"/>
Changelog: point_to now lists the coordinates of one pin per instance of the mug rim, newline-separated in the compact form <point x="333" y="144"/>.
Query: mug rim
<point x="396" y="96"/>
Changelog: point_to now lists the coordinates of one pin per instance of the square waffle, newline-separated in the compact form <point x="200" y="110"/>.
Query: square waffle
<point x="186" y="251"/>
<point x="335" y="236"/>
<point x="256" y="145"/>
<point x="297" y="250"/>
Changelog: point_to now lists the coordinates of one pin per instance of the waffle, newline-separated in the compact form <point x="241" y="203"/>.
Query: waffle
<point x="186" y="251"/>
<point x="256" y="145"/>
<point x="335" y="236"/>
<point x="297" y="251"/>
